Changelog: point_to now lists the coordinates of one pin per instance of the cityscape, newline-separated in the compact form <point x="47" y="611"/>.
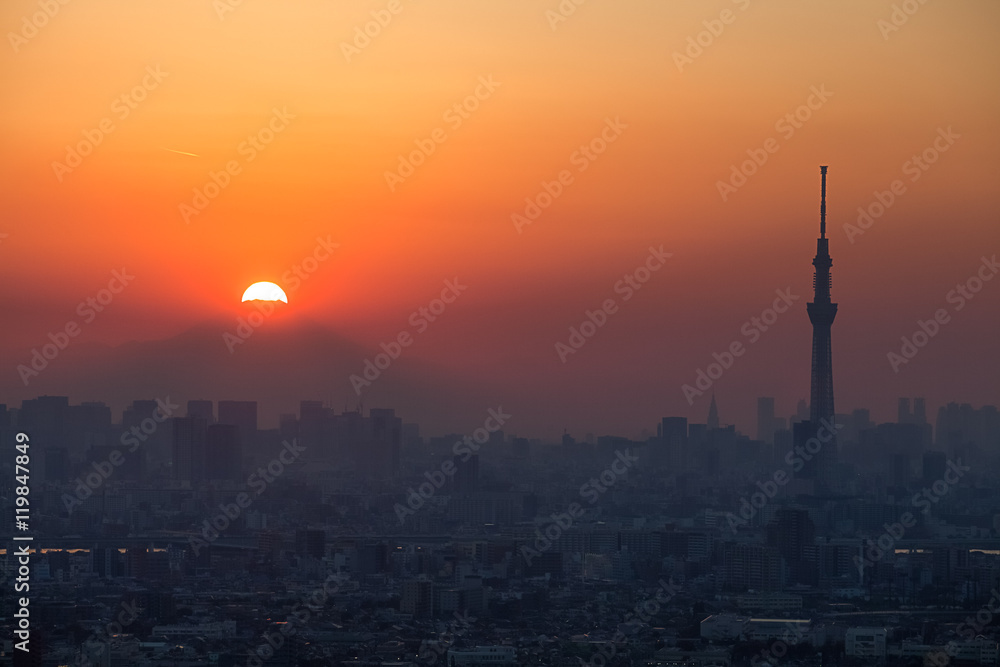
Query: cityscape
<point x="349" y="538"/>
<point x="559" y="333"/>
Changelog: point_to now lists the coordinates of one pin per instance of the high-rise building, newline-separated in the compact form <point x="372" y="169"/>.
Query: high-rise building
<point x="315" y="425"/>
<point x="417" y="598"/>
<point x="88" y="425"/>
<point x="765" y="419"/>
<point x="673" y="431"/>
<point x="386" y="439"/>
<point x="46" y="419"/>
<point x="916" y="417"/>
<point x="188" y="434"/>
<point x="963" y="430"/>
<point x="903" y="414"/>
<point x="935" y="465"/>
<point x="146" y="419"/>
<point x="242" y="414"/>
<point x="792" y="533"/>
<point x="223" y="453"/>
<point x="713" y="414"/>
<point x="203" y="409"/>
<point x="466" y="479"/>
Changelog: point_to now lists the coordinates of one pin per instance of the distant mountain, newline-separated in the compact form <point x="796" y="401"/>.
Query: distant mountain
<point x="284" y="359"/>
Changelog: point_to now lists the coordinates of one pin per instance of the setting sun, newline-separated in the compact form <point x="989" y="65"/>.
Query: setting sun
<point x="264" y="292"/>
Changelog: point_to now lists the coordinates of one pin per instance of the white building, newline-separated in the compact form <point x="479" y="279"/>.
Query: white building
<point x="865" y="642"/>
<point x="980" y="650"/>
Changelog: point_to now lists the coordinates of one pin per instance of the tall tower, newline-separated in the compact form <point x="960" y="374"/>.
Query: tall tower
<point x="821" y="313"/>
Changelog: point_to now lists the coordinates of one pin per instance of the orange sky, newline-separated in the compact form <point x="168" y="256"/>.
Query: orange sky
<point x="323" y="175"/>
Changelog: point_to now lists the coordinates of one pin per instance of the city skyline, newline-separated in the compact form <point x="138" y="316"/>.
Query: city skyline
<point x="358" y="257"/>
<point x="420" y="333"/>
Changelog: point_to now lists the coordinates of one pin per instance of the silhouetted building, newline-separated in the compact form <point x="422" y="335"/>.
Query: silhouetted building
<point x="466" y="479"/>
<point x="310" y="543"/>
<point x="223" y="453"/>
<point x="673" y="431"/>
<point x="242" y="414"/>
<point x="822" y="312"/>
<point x="386" y="437"/>
<point x="203" y="409"/>
<point x="417" y="598"/>
<point x="315" y="425"/>
<point x="966" y="432"/>
<point x="56" y="464"/>
<point x="935" y="464"/>
<point x="765" y="419"/>
<point x="751" y="567"/>
<point x="713" y="415"/>
<point x="146" y="422"/>
<point x="792" y="533"/>
<point x="189" y="439"/>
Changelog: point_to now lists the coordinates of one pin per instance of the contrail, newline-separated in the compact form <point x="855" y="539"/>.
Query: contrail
<point x="181" y="152"/>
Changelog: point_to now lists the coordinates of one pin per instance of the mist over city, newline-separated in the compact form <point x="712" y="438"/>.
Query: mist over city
<point x="569" y="332"/>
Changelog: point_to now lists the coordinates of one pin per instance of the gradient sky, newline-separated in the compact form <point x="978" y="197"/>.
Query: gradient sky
<point x="324" y="176"/>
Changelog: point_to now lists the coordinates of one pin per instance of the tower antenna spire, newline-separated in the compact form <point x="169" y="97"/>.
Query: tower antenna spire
<point x="822" y="205"/>
<point x="822" y="312"/>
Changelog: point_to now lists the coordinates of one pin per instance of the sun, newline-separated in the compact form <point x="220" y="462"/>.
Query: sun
<point x="264" y="292"/>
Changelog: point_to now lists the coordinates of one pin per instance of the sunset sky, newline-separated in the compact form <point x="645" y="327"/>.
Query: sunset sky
<point x="199" y="81"/>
